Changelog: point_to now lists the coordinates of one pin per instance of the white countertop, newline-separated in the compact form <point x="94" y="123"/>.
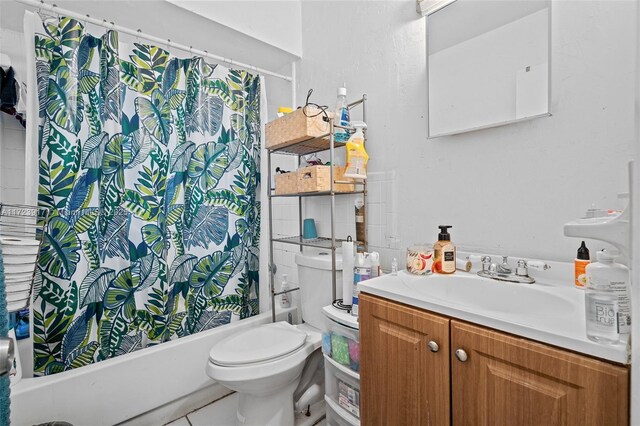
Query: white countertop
<point x="545" y="312"/>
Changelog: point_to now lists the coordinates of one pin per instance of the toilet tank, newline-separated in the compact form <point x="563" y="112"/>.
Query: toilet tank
<point x="314" y="279"/>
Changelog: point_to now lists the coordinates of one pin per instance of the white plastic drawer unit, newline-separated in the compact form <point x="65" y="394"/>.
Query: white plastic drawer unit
<point x="341" y="338"/>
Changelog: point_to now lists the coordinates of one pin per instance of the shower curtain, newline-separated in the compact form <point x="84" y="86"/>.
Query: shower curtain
<point x="150" y="165"/>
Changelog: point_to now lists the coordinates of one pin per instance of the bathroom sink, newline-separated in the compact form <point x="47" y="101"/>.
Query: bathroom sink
<point x="473" y="292"/>
<point x="550" y="311"/>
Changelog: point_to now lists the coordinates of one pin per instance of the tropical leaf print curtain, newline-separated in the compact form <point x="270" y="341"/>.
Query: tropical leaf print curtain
<point x="149" y="164"/>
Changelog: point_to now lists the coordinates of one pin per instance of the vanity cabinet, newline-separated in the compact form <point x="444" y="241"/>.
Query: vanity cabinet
<point x="507" y="380"/>
<point x="404" y="365"/>
<point x="477" y="376"/>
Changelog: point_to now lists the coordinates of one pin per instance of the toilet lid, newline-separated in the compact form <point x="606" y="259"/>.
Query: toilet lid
<point x="259" y="344"/>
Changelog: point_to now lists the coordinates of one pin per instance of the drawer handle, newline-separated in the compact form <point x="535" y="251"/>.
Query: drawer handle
<point x="307" y="175"/>
<point x="461" y="355"/>
<point x="433" y="346"/>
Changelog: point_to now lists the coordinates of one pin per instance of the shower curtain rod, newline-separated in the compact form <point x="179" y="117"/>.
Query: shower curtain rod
<point x="138" y="33"/>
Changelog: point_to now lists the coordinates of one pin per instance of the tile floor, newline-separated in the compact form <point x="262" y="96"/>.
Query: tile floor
<point x="225" y="415"/>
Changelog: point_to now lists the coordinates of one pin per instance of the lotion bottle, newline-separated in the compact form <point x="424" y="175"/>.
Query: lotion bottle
<point x="444" y="259"/>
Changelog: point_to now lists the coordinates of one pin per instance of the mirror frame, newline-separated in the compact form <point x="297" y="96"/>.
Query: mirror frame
<point x="500" y="123"/>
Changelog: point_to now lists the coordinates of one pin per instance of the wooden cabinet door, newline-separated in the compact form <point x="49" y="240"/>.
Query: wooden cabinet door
<point x="508" y="381"/>
<point x="403" y="382"/>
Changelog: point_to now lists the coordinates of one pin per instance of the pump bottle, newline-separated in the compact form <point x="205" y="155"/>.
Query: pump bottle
<point x="444" y="259"/>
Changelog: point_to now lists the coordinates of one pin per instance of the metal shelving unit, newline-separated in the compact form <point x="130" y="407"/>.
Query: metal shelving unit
<point x="324" y="142"/>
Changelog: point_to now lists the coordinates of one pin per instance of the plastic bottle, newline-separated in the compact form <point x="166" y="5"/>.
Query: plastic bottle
<point x="394" y="267"/>
<point x="580" y="265"/>
<point x="607" y="302"/>
<point x="357" y="157"/>
<point x="362" y="272"/>
<point x="444" y="258"/>
<point x="285" y="301"/>
<point x="342" y="116"/>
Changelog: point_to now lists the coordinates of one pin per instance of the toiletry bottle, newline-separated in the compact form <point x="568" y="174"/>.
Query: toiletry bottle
<point x="362" y="272"/>
<point x="580" y="265"/>
<point x="342" y="116"/>
<point x="394" y="267"/>
<point x="607" y="281"/>
<point x="357" y="157"/>
<point x="285" y="301"/>
<point x="444" y="259"/>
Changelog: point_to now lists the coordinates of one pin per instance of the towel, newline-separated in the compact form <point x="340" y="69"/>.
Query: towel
<point x="5" y="390"/>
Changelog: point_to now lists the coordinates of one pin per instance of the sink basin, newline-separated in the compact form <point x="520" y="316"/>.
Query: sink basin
<point x="478" y="293"/>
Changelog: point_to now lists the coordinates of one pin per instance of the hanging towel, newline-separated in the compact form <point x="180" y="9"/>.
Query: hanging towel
<point x="9" y="88"/>
<point x="12" y="95"/>
<point x="5" y="390"/>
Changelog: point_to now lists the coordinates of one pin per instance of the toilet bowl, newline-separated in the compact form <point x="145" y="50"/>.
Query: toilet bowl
<point x="265" y="364"/>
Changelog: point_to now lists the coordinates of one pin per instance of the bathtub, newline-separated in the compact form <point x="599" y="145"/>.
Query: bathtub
<point x="149" y="386"/>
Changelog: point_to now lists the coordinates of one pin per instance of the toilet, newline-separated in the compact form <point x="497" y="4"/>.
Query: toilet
<point x="274" y="366"/>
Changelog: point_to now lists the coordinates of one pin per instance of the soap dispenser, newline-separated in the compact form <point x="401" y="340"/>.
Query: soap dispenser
<point x="444" y="259"/>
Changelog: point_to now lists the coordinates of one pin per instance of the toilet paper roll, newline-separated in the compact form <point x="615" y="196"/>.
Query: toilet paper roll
<point x="348" y="251"/>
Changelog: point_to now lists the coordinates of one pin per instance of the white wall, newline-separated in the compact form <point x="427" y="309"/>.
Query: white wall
<point x="508" y="189"/>
<point x="12" y="134"/>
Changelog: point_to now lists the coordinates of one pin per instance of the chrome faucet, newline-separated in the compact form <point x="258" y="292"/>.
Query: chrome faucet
<point x="504" y="271"/>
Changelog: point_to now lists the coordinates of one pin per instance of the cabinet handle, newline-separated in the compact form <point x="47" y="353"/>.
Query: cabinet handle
<point x="433" y="346"/>
<point x="461" y="355"/>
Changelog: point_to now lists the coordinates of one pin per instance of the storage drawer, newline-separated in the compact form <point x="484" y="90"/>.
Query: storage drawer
<point x="286" y="183"/>
<point x="318" y="179"/>
<point x="337" y="416"/>
<point x="342" y="344"/>
<point x="295" y="127"/>
<point x="342" y="387"/>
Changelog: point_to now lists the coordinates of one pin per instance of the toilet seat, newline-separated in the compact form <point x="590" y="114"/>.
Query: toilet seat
<point x="265" y="343"/>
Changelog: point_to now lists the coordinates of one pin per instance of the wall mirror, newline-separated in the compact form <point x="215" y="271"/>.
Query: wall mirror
<point x="488" y="64"/>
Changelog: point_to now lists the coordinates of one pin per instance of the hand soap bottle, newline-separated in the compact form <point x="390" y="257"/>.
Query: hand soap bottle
<point x="444" y="259"/>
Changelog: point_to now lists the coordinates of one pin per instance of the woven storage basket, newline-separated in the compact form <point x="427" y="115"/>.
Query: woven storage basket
<point x="286" y="183"/>
<point x="295" y="127"/>
<point x="318" y="179"/>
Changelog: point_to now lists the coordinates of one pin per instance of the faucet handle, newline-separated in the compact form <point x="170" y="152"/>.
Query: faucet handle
<point x="521" y="269"/>
<point x="486" y="262"/>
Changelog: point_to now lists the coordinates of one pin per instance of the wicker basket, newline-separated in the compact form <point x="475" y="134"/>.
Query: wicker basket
<point x="295" y="127"/>
<point x="286" y="183"/>
<point x="318" y="179"/>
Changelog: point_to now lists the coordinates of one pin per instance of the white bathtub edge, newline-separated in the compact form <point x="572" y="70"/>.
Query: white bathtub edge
<point x="122" y="388"/>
